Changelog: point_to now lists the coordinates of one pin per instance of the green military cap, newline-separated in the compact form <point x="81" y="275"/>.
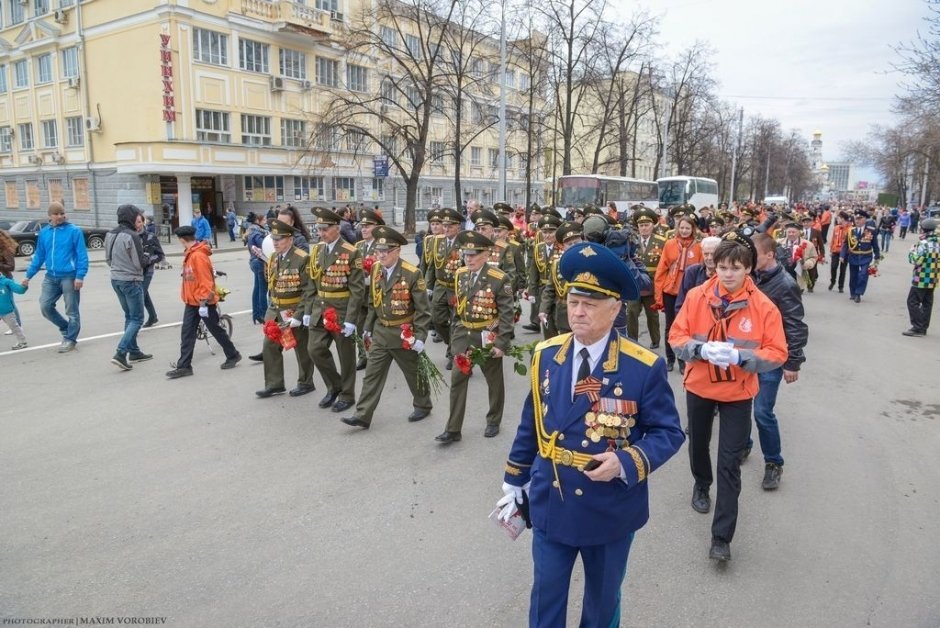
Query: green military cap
<point x="450" y="216"/>
<point x="280" y="229"/>
<point x="591" y="210"/>
<point x="504" y="223"/>
<point x="472" y="242"/>
<point x="550" y="211"/>
<point x="325" y="217"/>
<point x="370" y="217"/>
<point x="535" y="208"/>
<point x="594" y="271"/>
<point x="577" y="211"/>
<point x="549" y="222"/>
<point x="746" y="212"/>
<point x="502" y="207"/>
<point x="567" y="230"/>
<point x="644" y="215"/>
<point x="682" y="210"/>
<point x="434" y="215"/>
<point x="810" y="217"/>
<point x="387" y="238"/>
<point x="483" y="217"/>
<point x="716" y="222"/>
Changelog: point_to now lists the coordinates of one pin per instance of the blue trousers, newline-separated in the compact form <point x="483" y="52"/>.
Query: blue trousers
<point x="858" y="279"/>
<point x="604" y="569"/>
<point x="767" y="429"/>
<point x="259" y="294"/>
<point x="53" y="289"/>
<point x="130" y="295"/>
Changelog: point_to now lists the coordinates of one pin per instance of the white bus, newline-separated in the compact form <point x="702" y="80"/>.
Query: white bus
<point x="696" y="191"/>
<point x="598" y="190"/>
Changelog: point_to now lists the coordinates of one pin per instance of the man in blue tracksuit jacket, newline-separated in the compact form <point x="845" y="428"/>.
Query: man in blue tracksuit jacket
<point x="60" y="248"/>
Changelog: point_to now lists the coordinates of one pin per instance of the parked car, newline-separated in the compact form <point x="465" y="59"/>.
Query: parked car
<point x="5" y="225"/>
<point x="25" y="233"/>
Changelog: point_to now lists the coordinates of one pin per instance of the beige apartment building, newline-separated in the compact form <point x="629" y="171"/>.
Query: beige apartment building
<point x="180" y="104"/>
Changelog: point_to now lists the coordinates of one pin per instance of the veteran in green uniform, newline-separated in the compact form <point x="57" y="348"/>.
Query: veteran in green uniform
<point x="435" y="228"/>
<point x="445" y="260"/>
<point x="484" y="307"/>
<point x="484" y="222"/>
<point x="368" y="219"/>
<point x="648" y="253"/>
<point x="335" y="272"/>
<point x="504" y="237"/>
<point x="540" y="265"/>
<point x="553" y="293"/>
<point x="397" y="295"/>
<point x="287" y="278"/>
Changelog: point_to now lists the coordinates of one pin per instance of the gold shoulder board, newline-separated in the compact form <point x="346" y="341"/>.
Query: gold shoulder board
<point x="637" y="352"/>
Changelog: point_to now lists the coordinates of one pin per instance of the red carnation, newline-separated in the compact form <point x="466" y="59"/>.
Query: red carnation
<point x="367" y="263"/>
<point x="272" y="331"/>
<point x="463" y="363"/>
<point x="330" y="321"/>
<point x="407" y="336"/>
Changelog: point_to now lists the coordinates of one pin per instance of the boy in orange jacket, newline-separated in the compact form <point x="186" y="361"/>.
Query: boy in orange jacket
<point x="727" y="331"/>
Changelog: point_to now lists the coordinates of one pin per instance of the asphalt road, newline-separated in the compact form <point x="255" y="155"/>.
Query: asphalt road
<point x="127" y="495"/>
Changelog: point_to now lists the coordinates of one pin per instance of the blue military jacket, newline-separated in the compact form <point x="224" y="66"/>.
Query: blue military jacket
<point x="629" y="409"/>
<point x="860" y="245"/>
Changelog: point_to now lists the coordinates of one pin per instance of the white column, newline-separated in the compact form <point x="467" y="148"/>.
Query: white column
<point x="184" y="200"/>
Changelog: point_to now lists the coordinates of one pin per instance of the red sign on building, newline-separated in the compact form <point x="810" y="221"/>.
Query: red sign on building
<point x="166" y="75"/>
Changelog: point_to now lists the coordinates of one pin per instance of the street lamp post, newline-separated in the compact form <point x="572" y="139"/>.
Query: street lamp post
<point x="502" y="103"/>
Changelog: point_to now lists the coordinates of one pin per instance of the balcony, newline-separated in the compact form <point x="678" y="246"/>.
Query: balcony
<point x="291" y="16"/>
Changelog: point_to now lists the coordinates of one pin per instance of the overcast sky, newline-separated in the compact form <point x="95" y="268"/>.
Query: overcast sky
<point x="784" y="59"/>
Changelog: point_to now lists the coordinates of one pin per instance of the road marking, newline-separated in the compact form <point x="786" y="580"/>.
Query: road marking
<point x="111" y="335"/>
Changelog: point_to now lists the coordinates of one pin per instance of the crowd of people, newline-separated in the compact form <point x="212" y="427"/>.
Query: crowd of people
<point x="600" y="415"/>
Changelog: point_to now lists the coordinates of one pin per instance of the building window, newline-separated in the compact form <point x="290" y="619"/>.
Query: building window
<point x="80" y="198"/>
<point x="524" y="81"/>
<point x="25" y="131"/>
<point x="494" y="158"/>
<point x="390" y="144"/>
<point x="328" y="5"/>
<point x="327" y="137"/>
<point x="70" y="62"/>
<point x="40" y="7"/>
<point x="3" y="78"/>
<point x="212" y="126"/>
<point x="344" y="189"/>
<point x="75" y="131"/>
<point x="389" y="36"/>
<point x="33" y="195"/>
<point x="6" y="139"/>
<point x="357" y="79"/>
<point x="17" y="12"/>
<point x="437" y="153"/>
<point x="389" y="92"/>
<point x="508" y="162"/>
<point x="476" y="156"/>
<point x="12" y="194"/>
<point x="43" y="69"/>
<point x="413" y="96"/>
<point x="210" y="47"/>
<point x="309" y="189"/>
<point x="256" y="130"/>
<point x="266" y="189"/>
<point x="476" y="68"/>
<point x="253" y="56"/>
<point x="50" y="135"/>
<point x="356" y="141"/>
<point x="413" y="44"/>
<point x="293" y="132"/>
<point x="293" y="64"/>
<point x="327" y="72"/>
<point x="21" y="73"/>
<point x="510" y="79"/>
<point x="55" y="191"/>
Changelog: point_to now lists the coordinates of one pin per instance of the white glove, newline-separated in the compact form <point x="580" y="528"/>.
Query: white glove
<point x="294" y="322"/>
<point x="730" y="355"/>
<point x="306" y="320"/>
<point x="507" y="503"/>
<point x="348" y="329"/>
<point x="715" y="353"/>
<point x="528" y="297"/>
<point x="418" y="346"/>
<point x="204" y="311"/>
<point x="543" y="317"/>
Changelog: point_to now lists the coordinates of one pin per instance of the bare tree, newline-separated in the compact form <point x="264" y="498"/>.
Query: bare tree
<point x="404" y="41"/>
<point x="532" y="59"/>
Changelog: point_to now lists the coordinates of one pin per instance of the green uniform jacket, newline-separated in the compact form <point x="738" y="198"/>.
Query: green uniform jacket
<point x="485" y="305"/>
<point x="336" y="282"/>
<point x="649" y="255"/>
<point x="288" y="279"/>
<point x="553" y="296"/>
<point x="539" y="268"/>
<point x="404" y="299"/>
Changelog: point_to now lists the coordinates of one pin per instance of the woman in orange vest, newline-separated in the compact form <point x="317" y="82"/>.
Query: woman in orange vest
<point x="843" y="224"/>
<point x="681" y="251"/>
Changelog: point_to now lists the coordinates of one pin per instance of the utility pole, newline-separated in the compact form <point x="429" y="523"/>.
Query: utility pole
<point x="734" y="154"/>
<point x="663" y="163"/>
<point x="923" y="185"/>
<point x="502" y="104"/>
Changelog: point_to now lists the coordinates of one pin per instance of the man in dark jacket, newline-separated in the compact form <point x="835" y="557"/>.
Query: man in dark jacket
<point x="125" y="255"/>
<point x="779" y="287"/>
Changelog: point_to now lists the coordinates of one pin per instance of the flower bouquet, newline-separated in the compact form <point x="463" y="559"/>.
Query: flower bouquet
<point x="430" y="377"/>
<point x="280" y="334"/>
<point x="476" y="356"/>
<point x="331" y="321"/>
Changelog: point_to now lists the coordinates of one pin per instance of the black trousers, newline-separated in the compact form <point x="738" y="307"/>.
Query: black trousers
<point x="669" y="307"/>
<point x="919" y="306"/>
<point x="734" y="430"/>
<point x="188" y="335"/>
<point x="837" y="265"/>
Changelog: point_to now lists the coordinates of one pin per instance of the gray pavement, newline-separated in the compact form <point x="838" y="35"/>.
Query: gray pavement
<point x="125" y="494"/>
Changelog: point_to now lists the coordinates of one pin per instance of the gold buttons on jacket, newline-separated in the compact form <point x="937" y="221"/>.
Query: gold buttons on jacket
<point x="578" y="492"/>
<point x="585" y="443"/>
<point x="561" y="437"/>
<point x="555" y="483"/>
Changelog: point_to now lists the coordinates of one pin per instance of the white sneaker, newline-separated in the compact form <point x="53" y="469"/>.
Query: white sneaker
<point x="66" y="346"/>
<point x="19" y="345"/>
<point x="8" y="332"/>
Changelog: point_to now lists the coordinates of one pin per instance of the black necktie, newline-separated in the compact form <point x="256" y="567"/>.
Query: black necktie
<point x="584" y="371"/>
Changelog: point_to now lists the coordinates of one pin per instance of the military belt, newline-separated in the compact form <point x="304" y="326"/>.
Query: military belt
<point x="570" y="458"/>
<point x="288" y="301"/>
<point x="395" y="322"/>
<point x="477" y="324"/>
<point x="340" y="294"/>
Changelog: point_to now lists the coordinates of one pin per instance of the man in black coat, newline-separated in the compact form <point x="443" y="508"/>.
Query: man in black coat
<point x="779" y="287"/>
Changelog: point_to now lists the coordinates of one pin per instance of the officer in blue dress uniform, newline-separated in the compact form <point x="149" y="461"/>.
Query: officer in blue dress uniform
<point x="600" y="417"/>
<point x="860" y="249"/>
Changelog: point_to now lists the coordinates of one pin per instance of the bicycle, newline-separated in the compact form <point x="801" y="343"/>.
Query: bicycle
<point x="224" y="319"/>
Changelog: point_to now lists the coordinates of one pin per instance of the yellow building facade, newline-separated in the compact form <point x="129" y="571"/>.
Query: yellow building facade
<point x="180" y="104"/>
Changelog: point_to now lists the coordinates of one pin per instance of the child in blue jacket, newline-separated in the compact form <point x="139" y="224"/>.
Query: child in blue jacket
<point x="7" y="288"/>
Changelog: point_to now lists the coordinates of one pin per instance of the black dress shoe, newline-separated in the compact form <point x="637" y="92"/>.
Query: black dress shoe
<point x="355" y="421"/>
<point x="491" y="431"/>
<point x="231" y="362"/>
<point x="264" y="393"/>
<point x="448" y="437"/>
<point x="670" y="366"/>
<point x="701" y="502"/>
<point x="328" y="399"/>
<point x="681" y="367"/>
<point x="258" y="357"/>
<point x="342" y="406"/>
<point x="151" y="322"/>
<point x="654" y="345"/>
<point x="417" y="415"/>
<point x="831" y="285"/>
<point x="301" y="390"/>
<point x="178" y="373"/>
<point x="361" y="364"/>
<point x="450" y="364"/>
<point x="857" y="299"/>
<point x="720" y="551"/>
<point x="841" y="290"/>
<point x="533" y="328"/>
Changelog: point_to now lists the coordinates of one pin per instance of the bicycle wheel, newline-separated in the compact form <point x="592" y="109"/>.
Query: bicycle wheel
<point x="226" y="322"/>
<point x="201" y="332"/>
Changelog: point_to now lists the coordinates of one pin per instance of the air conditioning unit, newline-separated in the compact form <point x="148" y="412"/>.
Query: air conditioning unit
<point x="92" y="123"/>
<point x="306" y="84"/>
<point x="277" y="83"/>
<point x="336" y="16"/>
<point x="35" y="160"/>
<point x="73" y="82"/>
<point x="60" y="16"/>
<point x="57" y="158"/>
